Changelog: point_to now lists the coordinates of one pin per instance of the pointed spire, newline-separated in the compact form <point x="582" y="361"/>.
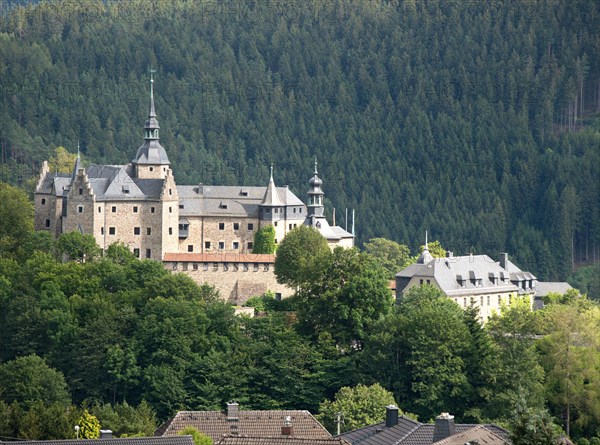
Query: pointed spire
<point x="271" y="198"/>
<point x="77" y="165"/>
<point x="425" y="256"/>
<point x="316" y="171"/>
<point x="152" y="111"/>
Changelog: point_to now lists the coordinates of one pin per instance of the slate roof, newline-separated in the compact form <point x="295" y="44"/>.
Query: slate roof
<point x="281" y="440"/>
<point x="173" y="440"/>
<point x="214" y="200"/>
<point x="250" y="423"/>
<point x="411" y="432"/>
<point x="544" y="288"/>
<point x="54" y="184"/>
<point x="114" y="183"/>
<point x="479" y="434"/>
<point x="448" y="272"/>
<point x="151" y="153"/>
<point x="331" y="233"/>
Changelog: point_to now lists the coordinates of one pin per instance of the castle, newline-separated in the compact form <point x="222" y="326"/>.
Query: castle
<point x="140" y="205"/>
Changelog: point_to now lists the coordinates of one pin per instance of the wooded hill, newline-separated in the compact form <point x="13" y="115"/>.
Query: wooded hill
<point x="477" y="121"/>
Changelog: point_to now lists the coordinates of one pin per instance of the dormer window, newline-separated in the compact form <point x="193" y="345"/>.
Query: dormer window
<point x="126" y="189"/>
<point x="222" y="205"/>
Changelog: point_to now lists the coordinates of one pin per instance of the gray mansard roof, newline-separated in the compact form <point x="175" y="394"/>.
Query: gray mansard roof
<point x="466" y="275"/>
<point x="213" y="200"/>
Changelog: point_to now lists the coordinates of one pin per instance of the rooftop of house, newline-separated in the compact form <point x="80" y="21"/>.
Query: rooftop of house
<point x="173" y="440"/>
<point x="280" y="440"/>
<point x="406" y="431"/>
<point x="215" y="424"/>
<point x="464" y="275"/>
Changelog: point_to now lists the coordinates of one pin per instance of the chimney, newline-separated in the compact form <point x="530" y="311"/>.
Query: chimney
<point x="449" y="254"/>
<point x="391" y="416"/>
<point x="504" y="260"/>
<point x="287" y="429"/>
<point x="106" y="434"/>
<point x="444" y="427"/>
<point x="232" y="411"/>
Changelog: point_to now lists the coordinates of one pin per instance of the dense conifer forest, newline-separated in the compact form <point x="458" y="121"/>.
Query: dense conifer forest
<point x="477" y="121"/>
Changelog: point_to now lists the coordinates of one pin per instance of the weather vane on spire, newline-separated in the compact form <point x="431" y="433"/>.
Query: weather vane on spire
<point x="316" y="171"/>
<point x="152" y="72"/>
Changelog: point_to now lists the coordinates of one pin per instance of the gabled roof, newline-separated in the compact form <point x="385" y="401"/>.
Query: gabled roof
<point x="173" y="440"/>
<point x="280" y="440"/>
<point x="114" y="182"/>
<point x="151" y="153"/>
<point x="411" y="432"/>
<point x="215" y="200"/>
<point x="249" y="423"/>
<point x="543" y="288"/>
<point x="478" y="434"/>
<point x="463" y="275"/>
<point x="54" y="184"/>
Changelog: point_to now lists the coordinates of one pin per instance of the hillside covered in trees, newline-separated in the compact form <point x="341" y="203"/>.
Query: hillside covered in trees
<point x="477" y="121"/>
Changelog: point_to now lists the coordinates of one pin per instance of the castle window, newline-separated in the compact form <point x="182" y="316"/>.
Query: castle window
<point x="250" y="245"/>
<point x="488" y="300"/>
<point x="294" y="209"/>
<point x="420" y="281"/>
<point x="47" y="223"/>
<point x="190" y="247"/>
<point x="99" y="209"/>
<point x="290" y="226"/>
<point x="207" y="245"/>
<point x="112" y="231"/>
<point x="101" y="230"/>
<point x="221" y="245"/>
<point x="221" y="226"/>
<point x="136" y="253"/>
<point x="79" y="209"/>
<point x="222" y="205"/>
<point x="151" y="169"/>
<point x="148" y="253"/>
<point x="81" y="191"/>
<point x="250" y="226"/>
<point x="152" y="209"/>
<point x="148" y="231"/>
<point x="170" y="230"/>
<point x="245" y="267"/>
<point x="465" y="302"/>
<point x="499" y="300"/>
<point x="243" y="193"/>
<point x="43" y="201"/>
<point x="136" y="231"/>
<point x="236" y="226"/>
<point x="114" y="209"/>
<point x="170" y="209"/>
<point x="236" y="245"/>
<point x="170" y="191"/>
<point x="267" y="210"/>
<point x="181" y="206"/>
<point x="275" y="223"/>
<point x="300" y="210"/>
<point x="481" y="301"/>
<point x="275" y="210"/>
<point x="125" y="189"/>
<point x="135" y="209"/>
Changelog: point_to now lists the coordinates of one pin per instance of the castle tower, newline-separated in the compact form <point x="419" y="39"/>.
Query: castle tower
<point x="151" y="160"/>
<point x="315" y="207"/>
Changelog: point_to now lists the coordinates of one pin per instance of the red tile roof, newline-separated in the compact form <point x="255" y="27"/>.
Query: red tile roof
<point x="281" y="440"/>
<point x="215" y="424"/>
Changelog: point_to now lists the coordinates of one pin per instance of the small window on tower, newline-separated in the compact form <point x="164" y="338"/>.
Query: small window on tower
<point x="236" y="226"/>
<point x="114" y="209"/>
<point x="170" y="230"/>
<point x="207" y="245"/>
<point x="79" y="209"/>
<point x="43" y="201"/>
<point x="81" y="191"/>
<point x="136" y="252"/>
<point x="190" y="247"/>
<point x="112" y="231"/>
<point x="250" y="245"/>
<point x="101" y="230"/>
<point x="148" y="253"/>
<point x="47" y="223"/>
<point x="151" y="169"/>
<point x="152" y="209"/>
<point x="135" y="209"/>
<point x="99" y="209"/>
